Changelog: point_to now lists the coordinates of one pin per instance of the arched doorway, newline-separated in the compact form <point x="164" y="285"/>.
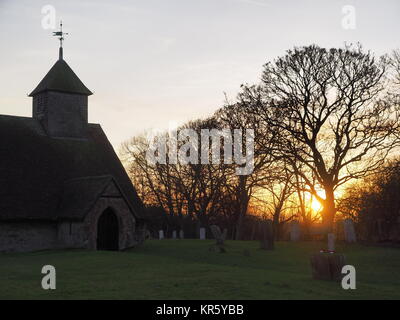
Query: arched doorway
<point x="107" y="231"/>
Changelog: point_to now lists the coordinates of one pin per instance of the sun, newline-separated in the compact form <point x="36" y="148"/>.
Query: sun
<point x="316" y="206"/>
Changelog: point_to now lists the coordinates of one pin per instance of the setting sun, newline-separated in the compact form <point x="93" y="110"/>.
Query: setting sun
<point x="316" y="206"/>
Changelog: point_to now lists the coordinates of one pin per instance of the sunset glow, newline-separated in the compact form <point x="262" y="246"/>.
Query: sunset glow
<point x="316" y="206"/>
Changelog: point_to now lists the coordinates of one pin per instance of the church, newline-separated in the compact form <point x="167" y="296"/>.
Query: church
<point x="61" y="183"/>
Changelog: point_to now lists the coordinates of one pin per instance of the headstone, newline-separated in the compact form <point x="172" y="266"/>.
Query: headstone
<point x="267" y="234"/>
<point x="174" y="234"/>
<point x="202" y="233"/>
<point x="331" y="242"/>
<point x="216" y="231"/>
<point x="161" y="234"/>
<point x="349" y="231"/>
<point x="327" y="266"/>
<point x="181" y="234"/>
<point x="294" y="231"/>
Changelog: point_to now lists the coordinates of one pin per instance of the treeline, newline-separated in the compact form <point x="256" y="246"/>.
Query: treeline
<point x="322" y="118"/>
<point x="375" y="205"/>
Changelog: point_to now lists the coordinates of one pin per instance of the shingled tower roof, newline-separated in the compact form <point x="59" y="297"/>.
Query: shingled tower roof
<point x="63" y="79"/>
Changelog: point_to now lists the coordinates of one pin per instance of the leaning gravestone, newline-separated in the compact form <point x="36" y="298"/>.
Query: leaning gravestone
<point x="349" y="231"/>
<point x="202" y="233"/>
<point x="218" y="236"/>
<point x="161" y="234"/>
<point x="267" y="235"/>
<point x="174" y="234"/>
<point x="181" y="234"/>
<point x="294" y="231"/>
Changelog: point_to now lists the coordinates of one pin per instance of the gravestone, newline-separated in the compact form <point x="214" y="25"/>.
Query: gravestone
<point x="327" y="266"/>
<point x="331" y="242"/>
<point x="202" y="233"/>
<point x="181" y="234"/>
<point x="161" y="234"/>
<point x="294" y="231"/>
<point x="174" y="234"/>
<point x="267" y="235"/>
<point x="349" y="231"/>
<point x="218" y="236"/>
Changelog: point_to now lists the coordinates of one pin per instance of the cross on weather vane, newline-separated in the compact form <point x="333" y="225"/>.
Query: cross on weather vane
<point x="60" y="34"/>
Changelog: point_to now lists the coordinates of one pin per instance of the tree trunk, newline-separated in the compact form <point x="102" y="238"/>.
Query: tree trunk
<point x="276" y="226"/>
<point x="329" y="210"/>
<point x="267" y="235"/>
<point x="238" y="235"/>
<point x="243" y="199"/>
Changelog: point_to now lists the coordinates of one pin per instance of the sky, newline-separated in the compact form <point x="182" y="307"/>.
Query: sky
<point x="153" y="62"/>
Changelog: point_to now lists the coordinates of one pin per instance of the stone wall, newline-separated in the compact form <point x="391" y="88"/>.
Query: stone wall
<point x="126" y="222"/>
<point x="32" y="236"/>
<point x="72" y="234"/>
<point x="62" y="114"/>
<point x="84" y="234"/>
<point x="27" y="236"/>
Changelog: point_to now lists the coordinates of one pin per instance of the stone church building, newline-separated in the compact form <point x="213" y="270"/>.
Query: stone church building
<point x="61" y="183"/>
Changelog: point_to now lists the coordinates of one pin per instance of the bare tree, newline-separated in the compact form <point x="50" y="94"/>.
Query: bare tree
<point x="326" y="110"/>
<point x="234" y="116"/>
<point x="395" y="65"/>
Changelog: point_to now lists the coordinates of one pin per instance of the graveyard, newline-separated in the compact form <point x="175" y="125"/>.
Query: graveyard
<point x="200" y="150"/>
<point x="188" y="269"/>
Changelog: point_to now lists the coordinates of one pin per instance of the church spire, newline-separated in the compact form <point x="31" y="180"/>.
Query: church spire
<point x="61" y="78"/>
<point x="60" y="100"/>
<point x="60" y="34"/>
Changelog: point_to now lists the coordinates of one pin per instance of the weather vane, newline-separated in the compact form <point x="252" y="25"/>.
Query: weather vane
<point x="60" y="34"/>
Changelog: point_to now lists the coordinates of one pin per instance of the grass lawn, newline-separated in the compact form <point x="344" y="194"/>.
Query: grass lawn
<point x="186" y="269"/>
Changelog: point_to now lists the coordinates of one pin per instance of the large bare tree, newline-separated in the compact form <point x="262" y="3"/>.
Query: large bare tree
<point x="328" y="114"/>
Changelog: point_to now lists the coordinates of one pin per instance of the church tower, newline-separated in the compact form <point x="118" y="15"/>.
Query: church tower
<point x="60" y="101"/>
